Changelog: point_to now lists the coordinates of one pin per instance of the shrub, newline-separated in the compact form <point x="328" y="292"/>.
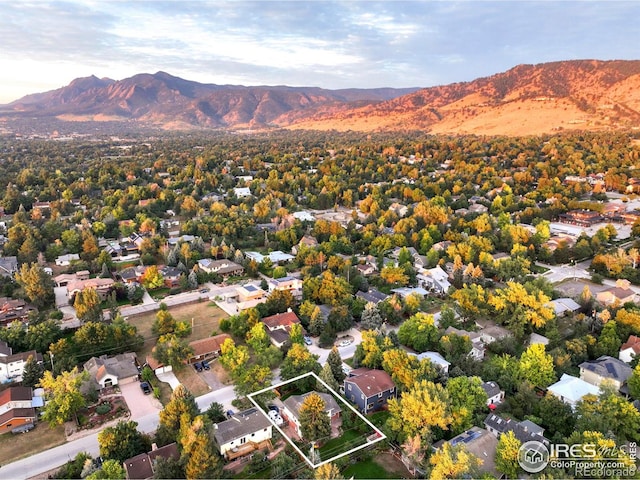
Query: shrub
<point x="103" y="408"/>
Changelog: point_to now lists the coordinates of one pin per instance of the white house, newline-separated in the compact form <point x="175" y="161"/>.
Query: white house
<point x="435" y="278"/>
<point x="494" y="394"/>
<point x="65" y="260"/>
<point x="276" y="257"/>
<point x="242" y="192"/>
<point x="304" y="216"/>
<point x="12" y="365"/>
<point x="435" y="358"/>
<point x="291" y="410"/>
<point x="571" y="389"/>
<point x="243" y="433"/>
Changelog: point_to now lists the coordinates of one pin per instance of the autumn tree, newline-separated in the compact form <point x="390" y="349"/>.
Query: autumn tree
<point x="257" y="338"/>
<point x="467" y="399"/>
<point x="64" y="398"/>
<point x="507" y="454"/>
<point x="172" y="350"/>
<point x="421" y="409"/>
<point x="182" y="402"/>
<point x="164" y="322"/>
<point x="298" y="360"/>
<point x="634" y="383"/>
<point x="198" y="452"/>
<point x="109" y="470"/>
<point x="327" y="471"/>
<point x="315" y="424"/>
<point x="521" y="307"/>
<point x="453" y="462"/>
<point x="152" y="278"/>
<point x="232" y="357"/>
<point x="419" y="332"/>
<point x="123" y="441"/>
<point x="394" y="275"/>
<point x="37" y="284"/>
<point x="536" y="366"/>
<point x="87" y="304"/>
<point x="406" y="370"/>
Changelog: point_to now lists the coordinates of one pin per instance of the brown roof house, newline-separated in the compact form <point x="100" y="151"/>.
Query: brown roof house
<point x="278" y="326"/>
<point x="207" y="347"/>
<point x="109" y="371"/>
<point x="143" y="466"/>
<point x="629" y="349"/>
<point x="481" y="443"/>
<point x="369" y="389"/>
<point x="618" y="295"/>
<point x="12" y="309"/>
<point x="16" y="408"/>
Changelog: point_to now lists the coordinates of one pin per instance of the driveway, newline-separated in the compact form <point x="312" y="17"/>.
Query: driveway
<point x="139" y="404"/>
<point x="211" y="379"/>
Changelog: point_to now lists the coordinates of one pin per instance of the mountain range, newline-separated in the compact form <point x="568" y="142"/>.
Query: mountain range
<point x="527" y="99"/>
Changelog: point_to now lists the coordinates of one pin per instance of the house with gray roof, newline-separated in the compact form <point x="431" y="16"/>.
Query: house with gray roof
<point x="8" y="266"/>
<point x="524" y="431"/>
<point x="291" y="410"/>
<point x="109" y="371"/>
<point x="243" y="433"/>
<point x="605" y="368"/>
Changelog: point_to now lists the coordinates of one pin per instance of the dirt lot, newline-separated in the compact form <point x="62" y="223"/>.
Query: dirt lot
<point x="205" y="318"/>
<point x="14" y="447"/>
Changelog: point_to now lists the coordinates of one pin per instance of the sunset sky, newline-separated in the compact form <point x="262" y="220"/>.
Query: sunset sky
<point x="45" y="45"/>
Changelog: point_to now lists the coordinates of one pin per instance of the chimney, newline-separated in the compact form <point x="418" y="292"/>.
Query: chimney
<point x="154" y="447"/>
<point x="289" y="310"/>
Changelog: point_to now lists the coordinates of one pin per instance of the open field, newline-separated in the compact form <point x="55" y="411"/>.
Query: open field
<point x="16" y="446"/>
<point x="205" y="318"/>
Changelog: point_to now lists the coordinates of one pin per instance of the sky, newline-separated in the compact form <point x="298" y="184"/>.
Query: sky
<point x="44" y="45"/>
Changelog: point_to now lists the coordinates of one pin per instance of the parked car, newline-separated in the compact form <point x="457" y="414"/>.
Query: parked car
<point x="204" y="290"/>
<point x="146" y="388"/>
<point x="275" y="416"/>
<point x="197" y="366"/>
<point x="27" y="427"/>
<point x="344" y="343"/>
<point x="230" y="413"/>
<point x="274" y="408"/>
<point x="307" y="340"/>
<point x="206" y="365"/>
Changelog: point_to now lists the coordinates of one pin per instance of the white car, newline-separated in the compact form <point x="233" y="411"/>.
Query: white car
<point x="344" y="343"/>
<point x="275" y="416"/>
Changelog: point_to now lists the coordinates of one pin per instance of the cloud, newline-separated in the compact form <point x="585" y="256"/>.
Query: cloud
<point x="333" y="44"/>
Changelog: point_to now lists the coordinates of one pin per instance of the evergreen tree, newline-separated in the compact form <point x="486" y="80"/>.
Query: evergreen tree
<point x="326" y="375"/>
<point x="335" y="362"/>
<point x="193" y="279"/>
<point x="371" y="318"/>
<point x="32" y="372"/>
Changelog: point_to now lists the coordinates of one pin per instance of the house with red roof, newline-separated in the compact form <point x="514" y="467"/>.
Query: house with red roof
<point x="16" y="408"/>
<point x="369" y="389"/>
<point x="629" y="349"/>
<point x="279" y="326"/>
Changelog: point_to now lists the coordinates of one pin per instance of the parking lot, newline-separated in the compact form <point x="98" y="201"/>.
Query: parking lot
<point x="139" y="404"/>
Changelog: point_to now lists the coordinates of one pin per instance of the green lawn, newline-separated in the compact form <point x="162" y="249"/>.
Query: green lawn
<point x="348" y="440"/>
<point x="366" y="469"/>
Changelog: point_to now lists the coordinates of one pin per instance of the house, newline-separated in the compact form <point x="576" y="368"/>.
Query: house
<point x="132" y="274"/>
<point x="16" y="408"/>
<point x="524" y="431"/>
<point x="477" y="345"/>
<point x="435" y="358"/>
<point x="65" y="260"/>
<point x="490" y="332"/>
<point x="101" y="285"/>
<point x="306" y="240"/>
<point x="143" y="466"/>
<point x="207" y="347"/>
<point x="537" y="339"/>
<point x="170" y="275"/>
<point x="12" y="364"/>
<point x="571" y="389"/>
<point x="481" y="443"/>
<point x="366" y="269"/>
<point x="244" y="433"/>
<point x="495" y="396"/>
<point x="64" y="279"/>
<point x="288" y="283"/>
<point x="278" y="327"/>
<point x="583" y="218"/>
<point x="8" y="266"/>
<point x="564" y="306"/>
<point x="242" y="192"/>
<point x="304" y="216"/>
<point x="291" y="410"/>
<point x="250" y="292"/>
<point x="224" y="268"/>
<point x="12" y="309"/>
<point x="629" y="349"/>
<point x="618" y="295"/>
<point x="117" y="370"/>
<point x="276" y="257"/>
<point x="404" y="292"/>
<point x="435" y="279"/>
<point x="369" y="389"/>
<point x="372" y="296"/>
<point x="605" y="368"/>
